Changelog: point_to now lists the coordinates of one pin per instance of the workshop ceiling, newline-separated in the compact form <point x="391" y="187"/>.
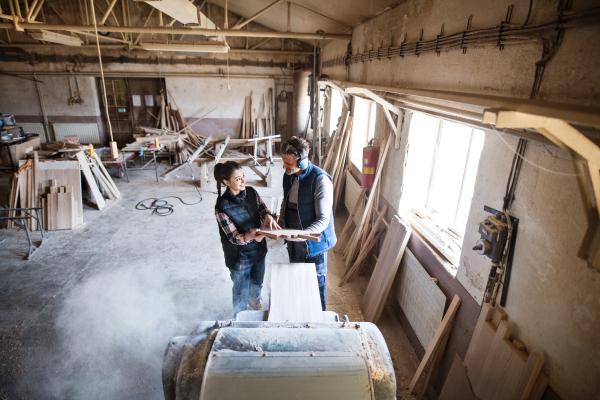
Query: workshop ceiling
<point x="311" y="15"/>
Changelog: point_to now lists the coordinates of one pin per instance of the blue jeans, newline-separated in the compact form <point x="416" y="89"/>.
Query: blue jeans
<point x="297" y="254"/>
<point x="247" y="284"/>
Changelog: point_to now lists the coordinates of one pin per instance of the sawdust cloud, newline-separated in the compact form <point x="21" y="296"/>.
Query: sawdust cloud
<point x="113" y="330"/>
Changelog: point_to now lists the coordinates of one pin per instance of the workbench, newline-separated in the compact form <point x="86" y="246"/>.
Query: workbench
<point x="118" y="163"/>
<point x="133" y="149"/>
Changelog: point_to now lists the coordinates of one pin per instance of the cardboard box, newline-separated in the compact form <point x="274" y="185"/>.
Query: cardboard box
<point x="18" y="151"/>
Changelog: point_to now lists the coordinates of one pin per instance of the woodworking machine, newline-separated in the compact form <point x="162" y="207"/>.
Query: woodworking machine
<point x="252" y="358"/>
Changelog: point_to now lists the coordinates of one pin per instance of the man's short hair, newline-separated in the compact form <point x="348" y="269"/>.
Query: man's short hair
<point x="290" y="148"/>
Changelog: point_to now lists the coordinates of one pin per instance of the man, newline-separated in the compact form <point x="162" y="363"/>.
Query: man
<point x="307" y="205"/>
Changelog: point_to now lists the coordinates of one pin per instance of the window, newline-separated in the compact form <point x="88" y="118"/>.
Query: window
<point x="363" y="128"/>
<point x="336" y="110"/>
<point x="439" y="178"/>
<point x="115" y="93"/>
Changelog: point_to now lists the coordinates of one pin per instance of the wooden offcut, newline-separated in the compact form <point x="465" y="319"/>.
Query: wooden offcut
<point x="286" y="233"/>
<point x="295" y="293"/>
<point x="385" y="269"/>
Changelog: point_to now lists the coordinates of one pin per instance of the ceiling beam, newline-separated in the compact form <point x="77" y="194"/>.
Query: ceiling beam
<point x="126" y="45"/>
<point x="181" y="31"/>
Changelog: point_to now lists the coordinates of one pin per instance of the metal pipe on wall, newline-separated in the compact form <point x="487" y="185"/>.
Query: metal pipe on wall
<point x="43" y="107"/>
<point x="182" y="31"/>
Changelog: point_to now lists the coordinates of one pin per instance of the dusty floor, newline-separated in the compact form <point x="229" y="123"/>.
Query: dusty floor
<point x="90" y="316"/>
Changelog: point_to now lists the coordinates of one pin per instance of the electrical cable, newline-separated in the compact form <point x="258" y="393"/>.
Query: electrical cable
<point x="161" y="207"/>
<point x="529" y="161"/>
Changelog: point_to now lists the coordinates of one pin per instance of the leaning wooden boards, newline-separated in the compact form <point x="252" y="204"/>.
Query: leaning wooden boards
<point x="295" y="293"/>
<point x="385" y="269"/>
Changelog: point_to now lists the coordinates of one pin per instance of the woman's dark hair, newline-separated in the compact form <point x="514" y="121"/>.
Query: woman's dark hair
<point x="223" y="172"/>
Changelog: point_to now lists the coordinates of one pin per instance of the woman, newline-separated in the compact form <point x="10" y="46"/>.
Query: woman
<point x="240" y="212"/>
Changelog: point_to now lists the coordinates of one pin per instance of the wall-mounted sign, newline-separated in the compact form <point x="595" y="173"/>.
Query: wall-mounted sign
<point x="122" y="110"/>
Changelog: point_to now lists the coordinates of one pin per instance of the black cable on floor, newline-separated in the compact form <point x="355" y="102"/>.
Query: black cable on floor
<point x="161" y="207"/>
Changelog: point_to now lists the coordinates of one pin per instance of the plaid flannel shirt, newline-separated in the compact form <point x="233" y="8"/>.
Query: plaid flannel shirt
<point x="231" y="231"/>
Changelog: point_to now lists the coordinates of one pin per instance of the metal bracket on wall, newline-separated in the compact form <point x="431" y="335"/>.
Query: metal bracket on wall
<point x="585" y="156"/>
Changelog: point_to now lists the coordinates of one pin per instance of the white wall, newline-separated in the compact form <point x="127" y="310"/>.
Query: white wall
<point x="554" y="297"/>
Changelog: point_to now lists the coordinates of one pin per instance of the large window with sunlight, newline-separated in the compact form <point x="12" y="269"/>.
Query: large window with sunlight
<point x="439" y="178"/>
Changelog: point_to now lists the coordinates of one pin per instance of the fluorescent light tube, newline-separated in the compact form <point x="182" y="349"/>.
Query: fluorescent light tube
<point x="200" y="47"/>
<point x="53" y="37"/>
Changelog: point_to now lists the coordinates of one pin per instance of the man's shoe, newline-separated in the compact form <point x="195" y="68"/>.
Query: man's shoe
<point x="254" y="304"/>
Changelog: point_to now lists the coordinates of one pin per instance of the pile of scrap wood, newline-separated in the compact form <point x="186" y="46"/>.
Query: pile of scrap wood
<point x="174" y="132"/>
<point x="55" y="184"/>
<point x="65" y="147"/>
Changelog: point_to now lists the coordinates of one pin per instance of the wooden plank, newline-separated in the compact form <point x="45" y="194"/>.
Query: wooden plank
<point x="433" y="370"/>
<point x="484" y="333"/>
<point x="247" y="116"/>
<point x="103" y="184"/>
<point x="332" y="142"/>
<point x="286" y="233"/>
<point x="65" y="173"/>
<point x="295" y="293"/>
<point x="385" y="269"/>
<point x="348" y="224"/>
<point x="457" y="385"/>
<point x="528" y="377"/>
<point x="356" y="237"/>
<point x="365" y="249"/>
<point x="114" y="188"/>
<point x="85" y="168"/>
<point x="539" y="388"/>
<point x="435" y="344"/>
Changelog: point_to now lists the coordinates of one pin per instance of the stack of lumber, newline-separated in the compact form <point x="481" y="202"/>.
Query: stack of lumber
<point x="258" y="122"/>
<point x="59" y="208"/>
<point x="496" y="367"/>
<point x="295" y="293"/>
<point x="55" y="184"/>
<point x="336" y="161"/>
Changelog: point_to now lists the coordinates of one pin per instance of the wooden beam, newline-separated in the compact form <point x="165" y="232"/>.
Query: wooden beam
<point x="576" y="114"/>
<point x="388" y="107"/>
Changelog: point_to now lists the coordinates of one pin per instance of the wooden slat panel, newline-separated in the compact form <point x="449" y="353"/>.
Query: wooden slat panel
<point x="385" y="269"/>
<point x="295" y="293"/>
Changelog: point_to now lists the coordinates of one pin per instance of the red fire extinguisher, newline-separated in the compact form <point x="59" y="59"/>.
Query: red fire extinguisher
<point x="370" y="157"/>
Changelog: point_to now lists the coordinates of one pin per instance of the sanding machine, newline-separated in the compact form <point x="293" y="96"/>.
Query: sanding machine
<point x="252" y="358"/>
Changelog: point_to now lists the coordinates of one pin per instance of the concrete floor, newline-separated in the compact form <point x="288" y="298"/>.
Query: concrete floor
<point x="90" y="316"/>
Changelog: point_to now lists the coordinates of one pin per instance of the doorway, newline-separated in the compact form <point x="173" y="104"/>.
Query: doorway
<point x="132" y="102"/>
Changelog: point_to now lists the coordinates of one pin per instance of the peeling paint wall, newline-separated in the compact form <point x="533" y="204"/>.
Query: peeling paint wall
<point x="554" y="298"/>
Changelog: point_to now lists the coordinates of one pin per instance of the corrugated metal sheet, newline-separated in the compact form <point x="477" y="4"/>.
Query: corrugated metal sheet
<point x="88" y="133"/>
<point x="34" y="127"/>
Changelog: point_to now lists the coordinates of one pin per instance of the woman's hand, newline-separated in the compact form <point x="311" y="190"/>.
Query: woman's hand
<point x="270" y="223"/>
<point x="255" y="236"/>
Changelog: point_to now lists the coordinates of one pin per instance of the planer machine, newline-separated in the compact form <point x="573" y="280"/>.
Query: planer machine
<point x="252" y="358"/>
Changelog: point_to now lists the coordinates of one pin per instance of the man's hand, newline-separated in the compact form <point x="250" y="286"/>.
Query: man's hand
<point x="270" y="223"/>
